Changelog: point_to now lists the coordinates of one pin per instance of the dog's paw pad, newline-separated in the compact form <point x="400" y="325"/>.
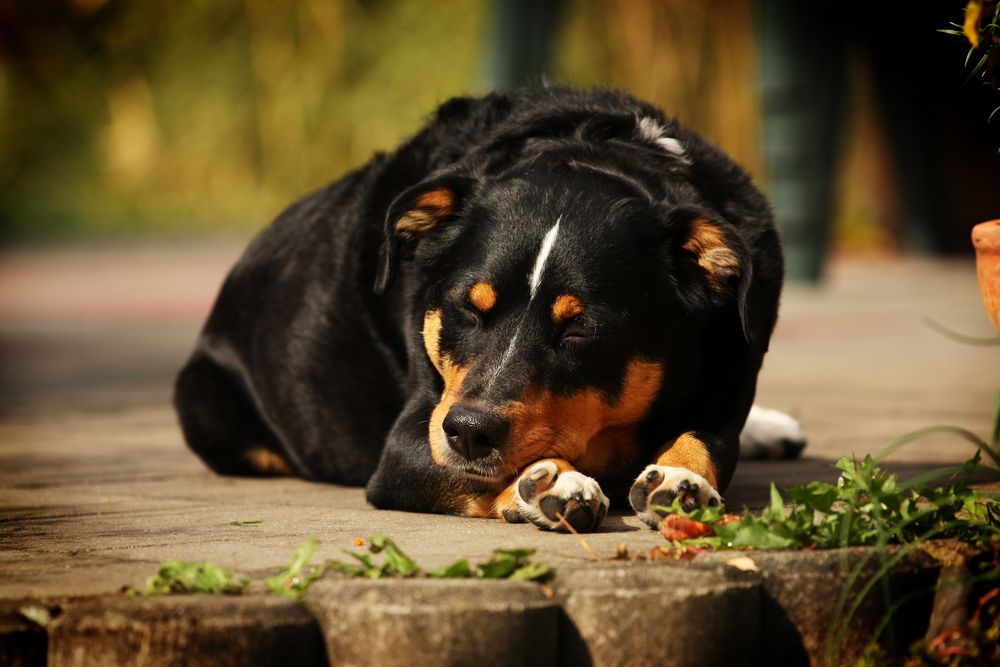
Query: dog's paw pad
<point x="661" y="485"/>
<point x="544" y="494"/>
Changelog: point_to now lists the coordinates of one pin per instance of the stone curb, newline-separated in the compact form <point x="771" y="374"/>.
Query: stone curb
<point x="436" y="622"/>
<point x="185" y="630"/>
<point x="22" y="642"/>
<point x="703" y="612"/>
<point x="658" y="614"/>
<point x="801" y="600"/>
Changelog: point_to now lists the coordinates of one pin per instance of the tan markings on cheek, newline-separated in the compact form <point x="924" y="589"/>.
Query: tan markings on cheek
<point x="267" y="462"/>
<point x="689" y="452"/>
<point x="714" y="256"/>
<point x="641" y="386"/>
<point x="566" y="307"/>
<point x="483" y="297"/>
<point x="544" y="424"/>
<point x="454" y="378"/>
<point x="432" y="337"/>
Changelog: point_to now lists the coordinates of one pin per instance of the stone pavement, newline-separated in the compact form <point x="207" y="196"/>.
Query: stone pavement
<point x="96" y="487"/>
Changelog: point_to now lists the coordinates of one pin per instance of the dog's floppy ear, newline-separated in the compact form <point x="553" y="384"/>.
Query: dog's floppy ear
<point x="723" y="257"/>
<point x="411" y="216"/>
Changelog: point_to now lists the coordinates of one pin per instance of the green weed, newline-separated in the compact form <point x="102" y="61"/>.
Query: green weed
<point x="384" y="559"/>
<point x="178" y="576"/>
<point x="864" y="507"/>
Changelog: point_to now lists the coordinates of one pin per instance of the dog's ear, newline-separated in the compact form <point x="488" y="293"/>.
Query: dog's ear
<point x="725" y="261"/>
<point x="411" y="216"/>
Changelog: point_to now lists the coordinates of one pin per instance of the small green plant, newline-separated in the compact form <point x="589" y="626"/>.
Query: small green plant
<point x="865" y="507"/>
<point x="511" y="564"/>
<point x="384" y="559"/>
<point x="178" y="576"/>
<point x="293" y="580"/>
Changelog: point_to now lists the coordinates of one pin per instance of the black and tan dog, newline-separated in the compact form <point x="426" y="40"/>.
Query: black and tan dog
<point x="571" y="292"/>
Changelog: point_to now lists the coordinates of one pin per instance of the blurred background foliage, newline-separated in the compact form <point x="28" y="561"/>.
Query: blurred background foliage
<point x="117" y="115"/>
<point x="123" y="117"/>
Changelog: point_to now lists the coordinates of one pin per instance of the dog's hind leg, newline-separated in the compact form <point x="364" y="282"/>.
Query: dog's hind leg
<point x="221" y="424"/>
<point x="770" y="434"/>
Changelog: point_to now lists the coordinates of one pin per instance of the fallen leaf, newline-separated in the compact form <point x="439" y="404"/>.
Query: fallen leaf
<point x="744" y="564"/>
<point x="676" y="528"/>
<point x="36" y="614"/>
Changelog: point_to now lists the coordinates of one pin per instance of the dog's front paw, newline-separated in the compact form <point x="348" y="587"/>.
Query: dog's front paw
<point x="544" y="494"/>
<point x="659" y="485"/>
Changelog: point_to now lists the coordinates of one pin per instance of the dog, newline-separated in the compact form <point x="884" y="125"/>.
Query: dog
<point x="572" y="293"/>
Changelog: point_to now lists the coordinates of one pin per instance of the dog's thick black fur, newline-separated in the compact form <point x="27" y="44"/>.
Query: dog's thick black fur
<point x="568" y="286"/>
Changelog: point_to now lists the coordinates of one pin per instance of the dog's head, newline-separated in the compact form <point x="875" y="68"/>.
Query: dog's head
<point x="562" y="294"/>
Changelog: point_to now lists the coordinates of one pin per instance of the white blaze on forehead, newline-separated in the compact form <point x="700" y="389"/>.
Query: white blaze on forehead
<point x="504" y="360"/>
<point x="543" y="256"/>
<point x="651" y="130"/>
<point x="534" y="280"/>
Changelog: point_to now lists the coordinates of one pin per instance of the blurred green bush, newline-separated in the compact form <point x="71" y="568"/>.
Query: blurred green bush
<point x="121" y="115"/>
<point x="124" y="116"/>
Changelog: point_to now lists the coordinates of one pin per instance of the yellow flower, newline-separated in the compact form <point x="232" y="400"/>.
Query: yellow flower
<point x="973" y="12"/>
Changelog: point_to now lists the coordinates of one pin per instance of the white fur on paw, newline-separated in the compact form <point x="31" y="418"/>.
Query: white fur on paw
<point x="659" y="485"/>
<point x="542" y="492"/>
<point x="770" y="434"/>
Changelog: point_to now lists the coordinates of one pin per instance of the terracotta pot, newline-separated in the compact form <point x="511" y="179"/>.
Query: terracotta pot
<point x="986" y="240"/>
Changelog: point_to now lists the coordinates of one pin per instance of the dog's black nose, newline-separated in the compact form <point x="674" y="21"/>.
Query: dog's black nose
<point x="474" y="432"/>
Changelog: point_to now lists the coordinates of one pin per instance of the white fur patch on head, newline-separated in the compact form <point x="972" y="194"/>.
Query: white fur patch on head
<point x="543" y="256"/>
<point x="650" y="129"/>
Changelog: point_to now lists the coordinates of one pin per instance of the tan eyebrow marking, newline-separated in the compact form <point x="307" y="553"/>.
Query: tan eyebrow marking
<point x="566" y="307"/>
<point x="483" y="297"/>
